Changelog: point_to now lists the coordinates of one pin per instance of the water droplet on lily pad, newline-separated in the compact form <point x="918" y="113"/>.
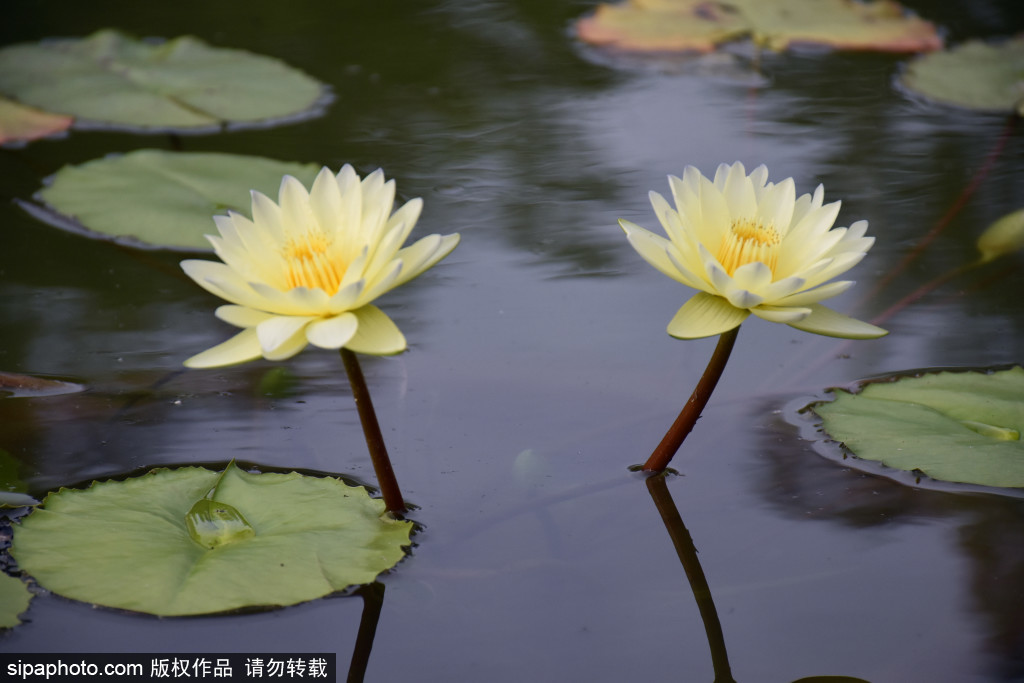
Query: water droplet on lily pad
<point x="212" y="524"/>
<point x="951" y="426"/>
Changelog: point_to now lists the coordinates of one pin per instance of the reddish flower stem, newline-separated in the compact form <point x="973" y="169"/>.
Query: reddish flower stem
<point x="694" y="406"/>
<point x="371" y="430"/>
<point x="979" y="176"/>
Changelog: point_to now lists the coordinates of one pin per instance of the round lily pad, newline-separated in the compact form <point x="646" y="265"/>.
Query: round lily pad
<point x="143" y="544"/>
<point x="974" y="75"/>
<point x="157" y="199"/>
<point x="703" y="25"/>
<point x="14" y="599"/>
<point x="951" y="426"/>
<point x="111" y="79"/>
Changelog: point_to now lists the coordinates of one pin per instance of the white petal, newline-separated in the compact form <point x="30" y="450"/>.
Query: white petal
<point x="705" y="315"/>
<point x="325" y="201"/>
<point x="351" y="214"/>
<point x="277" y="330"/>
<point x="742" y="298"/>
<point x="718" y="278"/>
<point x="241" y="348"/>
<point x="377" y="334"/>
<point x="383" y="282"/>
<point x="652" y="248"/>
<point x="685" y="274"/>
<point x="739" y="193"/>
<point x="754" y="276"/>
<point x="412" y="268"/>
<point x="346" y="297"/>
<point x="775" y="207"/>
<point x="296" y="301"/>
<point x="827" y="322"/>
<point x="332" y="333"/>
<point x="406" y="216"/>
<point x="838" y="265"/>
<point x="296" y="214"/>
<point x="715" y="217"/>
<point x="759" y="176"/>
<point x="288" y="348"/>
<point x="813" y="296"/>
<point x="667" y="216"/>
<point x="266" y="215"/>
<point x="781" y="314"/>
<point x="241" y="316"/>
<point x="220" y="280"/>
<point x="782" y="288"/>
<point x="386" y="249"/>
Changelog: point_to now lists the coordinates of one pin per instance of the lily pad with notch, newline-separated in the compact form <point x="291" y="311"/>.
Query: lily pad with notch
<point x="14" y="599"/>
<point x="704" y="25"/>
<point x="110" y="79"/>
<point x="194" y="541"/>
<point x="154" y="199"/>
<point x="953" y="426"/>
<point x="975" y="75"/>
<point x="20" y="124"/>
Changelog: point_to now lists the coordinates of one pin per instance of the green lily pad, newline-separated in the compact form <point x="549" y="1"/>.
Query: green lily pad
<point x="130" y="544"/>
<point x="111" y="79"/>
<point x="14" y="599"/>
<point x="19" y="123"/>
<point x="703" y="25"/>
<point x="952" y="426"/>
<point x="974" y="75"/>
<point x="159" y="200"/>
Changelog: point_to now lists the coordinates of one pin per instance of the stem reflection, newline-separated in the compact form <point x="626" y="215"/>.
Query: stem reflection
<point x="687" y="553"/>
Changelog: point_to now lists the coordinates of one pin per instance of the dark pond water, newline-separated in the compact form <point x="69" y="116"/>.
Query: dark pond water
<point x="539" y="368"/>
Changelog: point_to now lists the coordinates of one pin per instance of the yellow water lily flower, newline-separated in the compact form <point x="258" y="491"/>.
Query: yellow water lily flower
<point x="751" y="246"/>
<point x="306" y="269"/>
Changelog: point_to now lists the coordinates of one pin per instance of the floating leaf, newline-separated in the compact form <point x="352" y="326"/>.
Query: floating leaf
<point x="953" y="426"/>
<point x="1005" y="236"/>
<point x="156" y="199"/>
<point x="19" y="123"/>
<point x="19" y="386"/>
<point x="974" y="75"/>
<point x="14" y="599"/>
<point x="109" y="78"/>
<point x="702" y="25"/>
<point x="127" y="544"/>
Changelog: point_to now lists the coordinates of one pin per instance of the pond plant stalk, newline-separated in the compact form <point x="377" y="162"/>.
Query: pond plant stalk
<point x="690" y="413"/>
<point x="392" y="495"/>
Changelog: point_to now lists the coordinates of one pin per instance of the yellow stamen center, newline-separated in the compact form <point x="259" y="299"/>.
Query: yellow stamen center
<point x="309" y="264"/>
<point x="748" y="241"/>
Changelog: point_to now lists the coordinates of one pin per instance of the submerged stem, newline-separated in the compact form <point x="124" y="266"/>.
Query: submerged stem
<point x="371" y="430"/>
<point x="694" y="406"/>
